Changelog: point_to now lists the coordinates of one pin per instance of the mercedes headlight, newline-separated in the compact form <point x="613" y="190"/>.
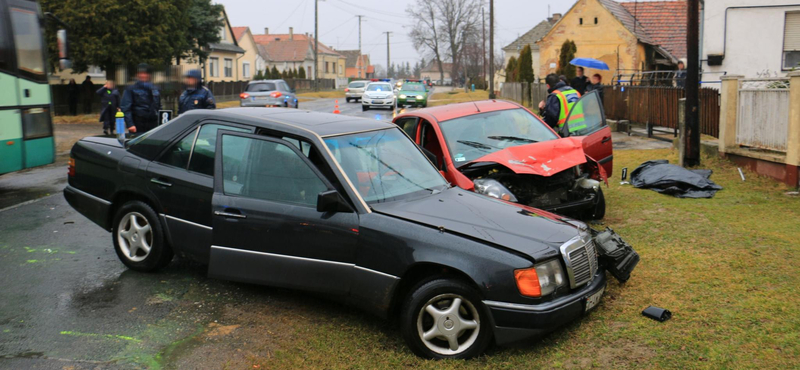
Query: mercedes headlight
<point x="494" y="189"/>
<point x="540" y="280"/>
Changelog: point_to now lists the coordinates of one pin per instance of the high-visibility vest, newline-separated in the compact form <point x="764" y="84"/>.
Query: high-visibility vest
<point x="567" y="100"/>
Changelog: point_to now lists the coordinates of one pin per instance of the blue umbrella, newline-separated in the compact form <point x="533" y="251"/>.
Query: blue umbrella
<point x="589" y="63"/>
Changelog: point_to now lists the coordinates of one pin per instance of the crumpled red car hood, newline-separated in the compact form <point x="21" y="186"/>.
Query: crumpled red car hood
<point x="546" y="158"/>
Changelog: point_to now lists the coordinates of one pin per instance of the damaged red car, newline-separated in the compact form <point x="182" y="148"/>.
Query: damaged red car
<point x="500" y="149"/>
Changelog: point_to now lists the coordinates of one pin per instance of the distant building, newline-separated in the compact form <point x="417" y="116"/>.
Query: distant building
<point x="288" y="51"/>
<point x="252" y="61"/>
<point x="529" y="38"/>
<point x="431" y="71"/>
<point x="221" y="64"/>
<point x="357" y="65"/>
<point x="751" y="38"/>
<point x="631" y="36"/>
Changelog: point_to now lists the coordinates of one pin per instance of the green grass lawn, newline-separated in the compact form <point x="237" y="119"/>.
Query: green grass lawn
<point x="456" y="96"/>
<point x="726" y="268"/>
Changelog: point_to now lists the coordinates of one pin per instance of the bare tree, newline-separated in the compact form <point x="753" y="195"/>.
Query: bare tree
<point x="425" y="33"/>
<point x="460" y="20"/>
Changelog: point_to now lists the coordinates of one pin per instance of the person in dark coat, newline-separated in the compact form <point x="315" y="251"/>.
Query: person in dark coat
<point x="580" y="81"/>
<point x="680" y="76"/>
<point x="141" y="103"/>
<point x="550" y="109"/>
<point x="72" y="97"/>
<point x="87" y="91"/>
<point x="109" y="104"/>
<point x="596" y="85"/>
<point x="196" y="96"/>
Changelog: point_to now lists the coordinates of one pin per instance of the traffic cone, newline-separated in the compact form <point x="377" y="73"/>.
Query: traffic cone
<point x="336" y="107"/>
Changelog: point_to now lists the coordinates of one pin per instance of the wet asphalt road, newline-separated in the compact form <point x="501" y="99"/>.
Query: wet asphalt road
<point x="67" y="302"/>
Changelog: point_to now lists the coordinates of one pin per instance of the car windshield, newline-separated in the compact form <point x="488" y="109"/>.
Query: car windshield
<point x="477" y="135"/>
<point x="379" y="87"/>
<point x="356" y="85"/>
<point x="261" y="86"/>
<point x="413" y="87"/>
<point x="385" y="165"/>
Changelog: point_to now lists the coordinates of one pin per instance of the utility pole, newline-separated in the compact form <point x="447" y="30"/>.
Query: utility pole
<point x="692" y="86"/>
<point x="483" y="44"/>
<point x="359" y="61"/>
<point x="388" y="59"/>
<point x="491" y="50"/>
<point x="316" y="45"/>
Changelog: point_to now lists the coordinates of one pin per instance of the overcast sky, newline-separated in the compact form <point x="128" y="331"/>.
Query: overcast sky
<point x="338" y="26"/>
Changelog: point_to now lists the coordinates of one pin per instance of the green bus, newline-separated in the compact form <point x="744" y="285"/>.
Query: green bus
<point x="26" y="129"/>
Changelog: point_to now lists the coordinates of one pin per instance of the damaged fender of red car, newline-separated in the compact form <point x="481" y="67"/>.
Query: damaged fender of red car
<point x="544" y="159"/>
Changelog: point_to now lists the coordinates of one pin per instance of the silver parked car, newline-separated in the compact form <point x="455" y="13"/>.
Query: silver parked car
<point x="354" y="90"/>
<point x="268" y="93"/>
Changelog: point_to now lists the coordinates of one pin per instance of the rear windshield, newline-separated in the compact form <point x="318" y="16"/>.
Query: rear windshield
<point x="356" y="85"/>
<point x="261" y="86"/>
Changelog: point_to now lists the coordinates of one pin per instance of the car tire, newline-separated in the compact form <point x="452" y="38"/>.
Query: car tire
<point x="347" y="100"/>
<point x="297" y="105"/>
<point x="364" y="108"/>
<point x="599" y="210"/>
<point x="137" y="227"/>
<point x="470" y="324"/>
<point x="286" y="104"/>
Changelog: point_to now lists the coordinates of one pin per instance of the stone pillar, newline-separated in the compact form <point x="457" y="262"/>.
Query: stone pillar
<point x="728" y="109"/>
<point x="793" y="135"/>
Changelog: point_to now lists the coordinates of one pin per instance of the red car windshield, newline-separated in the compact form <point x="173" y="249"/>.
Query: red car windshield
<point x="471" y="137"/>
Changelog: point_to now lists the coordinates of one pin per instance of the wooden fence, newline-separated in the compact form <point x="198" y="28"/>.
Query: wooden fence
<point x="658" y="106"/>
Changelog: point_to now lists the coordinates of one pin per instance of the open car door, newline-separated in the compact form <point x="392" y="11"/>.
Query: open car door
<point x="588" y="120"/>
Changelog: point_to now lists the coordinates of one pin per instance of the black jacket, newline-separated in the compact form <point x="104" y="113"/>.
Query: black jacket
<point x="109" y="100"/>
<point x="598" y="88"/>
<point x="141" y="103"/>
<point x="552" y="108"/>
<point x="579" y="83"/>
<point x="198" y="97"/>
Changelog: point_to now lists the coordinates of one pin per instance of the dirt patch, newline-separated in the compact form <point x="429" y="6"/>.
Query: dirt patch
<point x="217" y="330"/>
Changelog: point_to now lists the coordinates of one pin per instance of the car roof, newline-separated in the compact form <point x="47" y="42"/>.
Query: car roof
<point x="257" y="81"/>
<point x="458" y="110"/>
<point x="322" y="124"/>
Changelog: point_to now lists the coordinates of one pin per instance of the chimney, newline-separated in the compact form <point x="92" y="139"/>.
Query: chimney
<point x="266" y="30"/>
<point x="555" y="18"/>
<point x="291" y="33"/>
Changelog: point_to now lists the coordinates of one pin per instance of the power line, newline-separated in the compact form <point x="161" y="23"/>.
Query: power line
<point x="361" y="7"/>
<point x="292" y="13"/>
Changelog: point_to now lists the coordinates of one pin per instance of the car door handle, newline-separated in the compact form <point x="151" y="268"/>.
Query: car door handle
<point x="606" y="139"/>
<point x="161" y="182"/>
<point x="229" y="214"/>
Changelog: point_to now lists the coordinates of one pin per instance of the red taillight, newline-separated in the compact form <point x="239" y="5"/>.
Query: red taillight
<point x="244" y="96"/>
<point x="276" y="94"/>
<point x="346" y="90"/>
<point x="71" y="167"/>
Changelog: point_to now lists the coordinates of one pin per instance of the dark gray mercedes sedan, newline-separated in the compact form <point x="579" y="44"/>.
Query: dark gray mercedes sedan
<point x="348" y="207"/>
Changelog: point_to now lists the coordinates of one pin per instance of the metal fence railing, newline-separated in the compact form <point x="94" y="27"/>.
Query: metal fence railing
<point x="763" y="114"/>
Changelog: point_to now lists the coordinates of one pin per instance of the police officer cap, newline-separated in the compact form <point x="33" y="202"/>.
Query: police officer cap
<point x="143" y="67"/>
<point x="194" y="73"/>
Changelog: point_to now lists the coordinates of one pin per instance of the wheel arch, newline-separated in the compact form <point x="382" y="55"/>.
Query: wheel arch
<point x="124" y="196"/>
<point x="421" y="271"/>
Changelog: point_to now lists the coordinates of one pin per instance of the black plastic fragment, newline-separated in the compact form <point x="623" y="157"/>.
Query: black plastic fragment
<point x="616" y="254"/>
<point x="657" y="313"/>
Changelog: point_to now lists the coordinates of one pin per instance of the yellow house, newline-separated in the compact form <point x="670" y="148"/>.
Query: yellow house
<point x="608" y="31"/>
<point x="251" y="62"/>
<point x="224" y="59"/>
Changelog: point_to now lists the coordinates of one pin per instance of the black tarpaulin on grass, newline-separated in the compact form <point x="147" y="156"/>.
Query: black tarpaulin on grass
<point x="674" y="180"/>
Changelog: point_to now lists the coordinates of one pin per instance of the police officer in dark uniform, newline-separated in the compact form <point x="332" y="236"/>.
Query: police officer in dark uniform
<point x="196" y="96"/>
<point x="109" y="101"/>
<point x="141" y="102"/>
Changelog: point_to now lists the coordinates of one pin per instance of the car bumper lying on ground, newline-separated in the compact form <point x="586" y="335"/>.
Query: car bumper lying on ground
<point x="513" y="322"/>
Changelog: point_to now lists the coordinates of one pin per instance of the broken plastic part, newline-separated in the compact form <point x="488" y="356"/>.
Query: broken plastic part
<point x="657" y="313"/>
<point x="616" y="254"/>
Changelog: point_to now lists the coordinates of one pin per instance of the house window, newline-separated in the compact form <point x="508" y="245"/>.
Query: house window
<point x="309" y="75"/>
<point x="213" y="67"/>
<point x="228" y="67"/>
<point x="246" y="69"/>
<point x="326" y="67"/>
<point x="580" y="21"/>
<point x="791" y="41"/>
<point x="222" y="34"/>
<point x="595" y="20"/>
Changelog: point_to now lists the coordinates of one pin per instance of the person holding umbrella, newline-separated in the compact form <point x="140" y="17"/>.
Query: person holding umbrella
<point x="580" y="81"/>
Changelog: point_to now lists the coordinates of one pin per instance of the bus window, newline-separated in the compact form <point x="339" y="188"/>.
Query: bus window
<point x="28" y="41"/>
<point x="5" y="53"/>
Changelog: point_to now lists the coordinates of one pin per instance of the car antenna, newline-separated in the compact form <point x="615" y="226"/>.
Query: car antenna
<point x="473" y="102"/>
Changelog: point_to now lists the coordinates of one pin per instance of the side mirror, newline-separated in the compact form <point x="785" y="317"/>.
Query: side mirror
<point x="332" y="201"/>
<point x="63" y="49"/>
<point x="432" y="158"/>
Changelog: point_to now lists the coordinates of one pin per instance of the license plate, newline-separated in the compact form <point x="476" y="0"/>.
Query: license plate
<point x="594" y="299"/>
<point x="377" y="102"/>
